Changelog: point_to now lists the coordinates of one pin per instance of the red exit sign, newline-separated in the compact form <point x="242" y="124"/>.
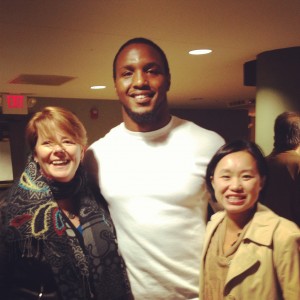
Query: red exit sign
<point x="14" y="104"/>
<point x="15" y="101"/>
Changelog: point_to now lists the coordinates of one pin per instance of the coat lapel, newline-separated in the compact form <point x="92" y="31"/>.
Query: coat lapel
<point x="241" y="263"/>
<point x="260" y="232"/>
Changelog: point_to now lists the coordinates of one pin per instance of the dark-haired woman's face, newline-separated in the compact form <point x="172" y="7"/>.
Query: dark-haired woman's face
<point x="237" y="182"/>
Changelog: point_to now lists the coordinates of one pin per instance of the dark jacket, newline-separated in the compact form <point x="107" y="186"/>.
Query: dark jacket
<point x="282" y="192"/>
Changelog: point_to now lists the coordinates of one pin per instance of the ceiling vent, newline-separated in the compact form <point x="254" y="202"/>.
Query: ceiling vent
<point x="54" y="80"/>
<point x="238" y="103"/>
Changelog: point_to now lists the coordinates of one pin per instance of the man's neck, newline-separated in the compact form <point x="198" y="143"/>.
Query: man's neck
<point x="156" y="124"/>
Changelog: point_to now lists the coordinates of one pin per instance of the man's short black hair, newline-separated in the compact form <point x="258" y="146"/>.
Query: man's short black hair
<point x="141" y="40"/>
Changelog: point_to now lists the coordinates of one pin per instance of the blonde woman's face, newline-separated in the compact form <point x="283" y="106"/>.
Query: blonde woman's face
<point x="58" y="159"/>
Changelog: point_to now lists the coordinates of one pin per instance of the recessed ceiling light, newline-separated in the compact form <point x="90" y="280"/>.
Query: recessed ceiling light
<point x="200" y="51"/>
<point x="98" y="87"/>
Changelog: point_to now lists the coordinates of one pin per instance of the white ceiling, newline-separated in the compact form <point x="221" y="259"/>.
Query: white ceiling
<point x="79" y="38"/>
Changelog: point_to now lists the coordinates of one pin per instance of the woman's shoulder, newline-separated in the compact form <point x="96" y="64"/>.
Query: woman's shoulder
<point x="284" y="234"/>
<point x="217" y="217"/>
<point x="287" y="228"/>
<point x="268" y="216"/>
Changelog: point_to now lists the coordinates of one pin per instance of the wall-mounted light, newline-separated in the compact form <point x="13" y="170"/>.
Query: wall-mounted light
<point x="31" y="102"/>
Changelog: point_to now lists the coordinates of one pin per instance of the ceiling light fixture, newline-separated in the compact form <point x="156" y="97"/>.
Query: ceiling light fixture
<point x="98" y="87"/>
<point x="200" y="51"/>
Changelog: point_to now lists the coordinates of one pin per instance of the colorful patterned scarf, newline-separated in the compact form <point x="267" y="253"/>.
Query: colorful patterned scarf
<point x="88" y="268"/>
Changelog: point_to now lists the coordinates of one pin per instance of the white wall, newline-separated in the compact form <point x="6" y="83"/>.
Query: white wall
<point x="6" y="171"/>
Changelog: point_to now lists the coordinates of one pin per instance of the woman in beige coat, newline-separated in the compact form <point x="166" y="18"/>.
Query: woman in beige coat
<point x="249" y="251"/>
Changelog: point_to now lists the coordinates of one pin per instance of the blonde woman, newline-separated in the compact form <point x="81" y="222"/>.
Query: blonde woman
<point x="58" y="240"/>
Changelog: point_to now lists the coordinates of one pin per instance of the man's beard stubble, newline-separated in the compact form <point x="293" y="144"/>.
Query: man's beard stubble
<point x="144" y="118"/>
<point x="141" y="118"/>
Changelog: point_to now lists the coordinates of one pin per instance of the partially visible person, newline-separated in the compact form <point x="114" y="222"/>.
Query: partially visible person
<point x="249" y="252"/>
<point x="151" y="170"/>
<point x="57" y="238"/>
<point x="283" y="190"/>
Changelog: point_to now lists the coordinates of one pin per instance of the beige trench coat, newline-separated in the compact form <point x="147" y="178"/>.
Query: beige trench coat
<point x="266" y="265"/>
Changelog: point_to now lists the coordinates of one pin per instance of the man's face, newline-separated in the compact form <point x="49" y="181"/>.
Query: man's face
<point x="142" y="83"/>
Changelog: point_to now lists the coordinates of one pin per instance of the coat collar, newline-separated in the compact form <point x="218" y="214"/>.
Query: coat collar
<point x="260" y="230"/>
<point x="262" y="227"/>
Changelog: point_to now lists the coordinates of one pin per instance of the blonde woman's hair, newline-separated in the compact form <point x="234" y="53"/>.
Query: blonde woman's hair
<point x="52" y="119"/>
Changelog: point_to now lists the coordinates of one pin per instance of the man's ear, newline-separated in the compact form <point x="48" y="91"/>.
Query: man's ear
<point x="169" y="82"/>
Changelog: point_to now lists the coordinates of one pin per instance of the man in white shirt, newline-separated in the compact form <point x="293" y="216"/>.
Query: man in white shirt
<point x="150" y="169"/>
